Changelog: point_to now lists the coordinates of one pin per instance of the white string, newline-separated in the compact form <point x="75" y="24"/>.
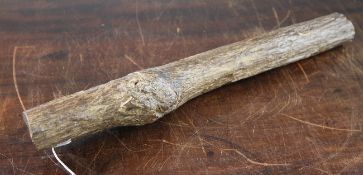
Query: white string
<point x="63" y="164"/>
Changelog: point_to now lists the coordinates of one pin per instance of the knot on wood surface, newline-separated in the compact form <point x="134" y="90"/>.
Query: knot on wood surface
<point x="148" y="94"/>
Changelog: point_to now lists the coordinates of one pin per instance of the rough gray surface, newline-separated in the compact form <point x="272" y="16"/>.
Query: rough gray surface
<point x="143" y="97"/>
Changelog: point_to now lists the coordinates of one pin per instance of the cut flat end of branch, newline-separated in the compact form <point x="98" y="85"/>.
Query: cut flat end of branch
<point x="25" y="118"/>
<point x="145" y="96"/>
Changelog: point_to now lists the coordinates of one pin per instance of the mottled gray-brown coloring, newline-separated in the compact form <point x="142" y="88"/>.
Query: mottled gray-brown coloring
<point x="145" y="96"/>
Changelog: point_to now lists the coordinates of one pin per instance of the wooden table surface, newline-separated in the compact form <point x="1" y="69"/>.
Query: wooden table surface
<point x="304" y="118"/>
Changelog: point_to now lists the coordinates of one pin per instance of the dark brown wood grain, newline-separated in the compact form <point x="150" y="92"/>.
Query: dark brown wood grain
<point x="305" y="115"/>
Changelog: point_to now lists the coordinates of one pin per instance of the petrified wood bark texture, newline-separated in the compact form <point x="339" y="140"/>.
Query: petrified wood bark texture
<point x="145" y="96"/>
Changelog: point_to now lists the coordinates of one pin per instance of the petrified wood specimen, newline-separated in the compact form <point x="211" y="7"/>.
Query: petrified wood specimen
<point x="145" y="96"/>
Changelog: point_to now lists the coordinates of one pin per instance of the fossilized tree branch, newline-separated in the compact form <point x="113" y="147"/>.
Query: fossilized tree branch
<point x="145" y="96"/>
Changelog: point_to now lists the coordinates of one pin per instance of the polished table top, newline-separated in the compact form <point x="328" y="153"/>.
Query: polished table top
<point x="303" y="118"/>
